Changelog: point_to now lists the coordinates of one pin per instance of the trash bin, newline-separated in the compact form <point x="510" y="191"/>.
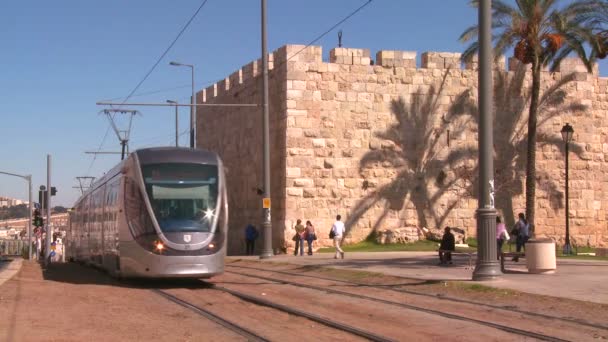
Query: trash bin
<point x="540" y="256"/>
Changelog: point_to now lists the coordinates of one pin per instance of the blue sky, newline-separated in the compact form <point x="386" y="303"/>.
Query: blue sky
<point x="60" y="57"/>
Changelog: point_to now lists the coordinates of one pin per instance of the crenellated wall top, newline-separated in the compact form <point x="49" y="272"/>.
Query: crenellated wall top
<point x="301" y="54"/>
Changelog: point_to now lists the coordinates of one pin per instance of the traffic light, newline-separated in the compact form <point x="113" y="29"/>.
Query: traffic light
<point x="43" y="198"/>
<point x="53" y="191"/>
<point x="37" y="220"/>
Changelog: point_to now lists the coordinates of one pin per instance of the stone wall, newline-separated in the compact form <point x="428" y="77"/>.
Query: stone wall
<point x="393" y="145"/>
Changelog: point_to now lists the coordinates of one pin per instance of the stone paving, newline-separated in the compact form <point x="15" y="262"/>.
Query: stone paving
<point x="585" y="280"/>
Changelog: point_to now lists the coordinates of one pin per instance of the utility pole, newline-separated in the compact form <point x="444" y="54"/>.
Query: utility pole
<point x="176" y="122"/>
<point x="267" y="223"/>
<point x="49" y="228"/>
<point x="82" y="183"/>
<point x="124" y="138"/>
<point x="487" y="267"/>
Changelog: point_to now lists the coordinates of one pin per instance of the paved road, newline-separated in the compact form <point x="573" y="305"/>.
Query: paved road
<point x="576" y="279"/>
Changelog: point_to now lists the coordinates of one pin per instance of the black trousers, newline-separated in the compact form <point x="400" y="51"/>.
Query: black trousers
<point x="445" y="256"/>
<point x="250" y="246"/>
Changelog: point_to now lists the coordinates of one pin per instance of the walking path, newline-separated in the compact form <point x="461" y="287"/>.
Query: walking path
<point x="8" y="268"/>
<point x="585" y="280"/>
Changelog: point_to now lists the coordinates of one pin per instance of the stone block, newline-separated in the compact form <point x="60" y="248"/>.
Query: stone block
<point x="293" y="172"/>
<point x="304" y="183"/>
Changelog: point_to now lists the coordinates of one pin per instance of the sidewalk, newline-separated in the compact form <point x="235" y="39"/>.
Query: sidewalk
<point x="9" y="268"/>
<point x="585" y="280"/>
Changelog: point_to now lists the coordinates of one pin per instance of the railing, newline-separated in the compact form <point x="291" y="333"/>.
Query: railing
<point x="12" y="247"/>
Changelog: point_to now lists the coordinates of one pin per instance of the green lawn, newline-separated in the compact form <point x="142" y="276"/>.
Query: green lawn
<point x="372" y="246"/>
<point x="431" y="246"/>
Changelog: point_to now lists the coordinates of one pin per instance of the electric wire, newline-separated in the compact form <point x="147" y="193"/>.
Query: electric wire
<point x="150" y="72"/>
<point x="330" y="29"/>
<point x="333" y="27"/>
<point x="326" y="32"/>
<point x="151" y="92"/>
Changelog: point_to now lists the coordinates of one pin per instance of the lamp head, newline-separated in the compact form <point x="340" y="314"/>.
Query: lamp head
<point x="174" y="63"/>
<point x="171" y="101"/>
<point x="567" y="133"/>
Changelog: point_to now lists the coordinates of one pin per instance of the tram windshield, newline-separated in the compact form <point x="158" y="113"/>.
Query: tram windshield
<point x="183" y="196"/>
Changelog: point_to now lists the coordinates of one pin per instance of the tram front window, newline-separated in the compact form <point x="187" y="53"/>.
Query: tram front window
<point x="183" y="196"/>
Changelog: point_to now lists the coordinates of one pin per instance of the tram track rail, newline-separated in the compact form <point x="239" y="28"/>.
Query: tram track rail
<point x="248" y="334"/>
<point x="251" y="335"/>
<point x="505" y="328"/>
<point x="446" y="298"/>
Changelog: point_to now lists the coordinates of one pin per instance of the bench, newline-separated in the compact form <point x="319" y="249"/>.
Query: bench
<point x="470" y="255"/>
<point x="504" y="255"/>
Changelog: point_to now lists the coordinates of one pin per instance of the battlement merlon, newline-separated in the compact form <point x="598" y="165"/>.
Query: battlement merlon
<point x="296" y="57"/>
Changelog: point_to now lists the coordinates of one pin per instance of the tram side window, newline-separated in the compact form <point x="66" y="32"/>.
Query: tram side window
<point x="135" y="208"/>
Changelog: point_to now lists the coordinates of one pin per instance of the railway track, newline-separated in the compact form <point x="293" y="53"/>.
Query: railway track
<point x="505" y="328"/>
<point x="250" y="334"/>
<point x="446" y="298"/>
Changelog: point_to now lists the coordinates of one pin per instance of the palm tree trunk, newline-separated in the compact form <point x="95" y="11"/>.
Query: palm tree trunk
<point x="531" y="162"/>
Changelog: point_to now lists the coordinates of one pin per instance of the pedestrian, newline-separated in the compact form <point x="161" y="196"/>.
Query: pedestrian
<point x="299" y="237"/>
<point x="310" y="236"/>
<point x="501" y="235"/>
<point x="522" y="228"/>
<point x="337" y="230"/>
<point x="251" y="234"/>
<point x="447" y="246"/>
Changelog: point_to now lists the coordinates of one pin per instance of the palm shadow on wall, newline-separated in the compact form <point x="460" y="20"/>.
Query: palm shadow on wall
<point x="512" y="100"/>
<point x="415" y="151"/>
<point x="419" y="155"/>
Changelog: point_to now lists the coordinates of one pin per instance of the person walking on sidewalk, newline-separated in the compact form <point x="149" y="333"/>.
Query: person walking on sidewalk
<point x="299" y="238"/>
<point x="310" y="236"/>
<point x="447" y="246"/>
<point x="338" y="232"/>
<point x="501" y="236"/>
<point x="251" y="234"/>
<point x="523" y="234"/>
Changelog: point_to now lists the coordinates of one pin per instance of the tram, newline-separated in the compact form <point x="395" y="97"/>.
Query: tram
<point x="160" y="213"/>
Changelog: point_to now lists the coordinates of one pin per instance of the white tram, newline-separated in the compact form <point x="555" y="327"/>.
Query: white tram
<point x="162" y="212"/>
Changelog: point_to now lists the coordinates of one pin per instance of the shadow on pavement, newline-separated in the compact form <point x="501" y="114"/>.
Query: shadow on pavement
<point x="74" y="273"/>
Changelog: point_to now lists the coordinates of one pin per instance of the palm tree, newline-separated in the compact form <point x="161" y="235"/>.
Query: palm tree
<point x="541" y="35"/>
<point x="511" y="98"/>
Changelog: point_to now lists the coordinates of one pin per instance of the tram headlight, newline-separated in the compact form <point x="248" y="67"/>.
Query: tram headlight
<point x="159" y="246"/>
<point x="209" y="213"/>
<point x="211" y="246"/>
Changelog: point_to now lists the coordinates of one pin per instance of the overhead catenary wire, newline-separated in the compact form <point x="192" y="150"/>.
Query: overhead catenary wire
<point x="330" y="29"/>
<point x="316" y="39"/>
<point x="150" y="72"/>
<point x="333" y="27"/>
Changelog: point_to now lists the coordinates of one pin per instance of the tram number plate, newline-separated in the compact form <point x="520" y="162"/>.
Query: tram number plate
<point x="187" y="247"/>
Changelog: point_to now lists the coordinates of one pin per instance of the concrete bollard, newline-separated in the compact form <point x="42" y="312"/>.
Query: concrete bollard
<point x="540" y="256"/>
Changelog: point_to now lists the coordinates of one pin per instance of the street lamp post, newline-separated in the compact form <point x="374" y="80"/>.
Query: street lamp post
<point x="487" y="267"/>
<point x="567" y="133"/>
<point x="176" y="122"/>
<point x="193" y="101"/>
<point x="267" y="223"/>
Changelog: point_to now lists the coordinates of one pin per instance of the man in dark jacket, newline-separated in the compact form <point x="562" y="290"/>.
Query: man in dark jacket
<point x="448" y="244"/>
<point x="251" y="234"/>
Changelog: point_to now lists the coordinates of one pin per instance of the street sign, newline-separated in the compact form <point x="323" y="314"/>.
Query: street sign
<point x="266" y="203"/>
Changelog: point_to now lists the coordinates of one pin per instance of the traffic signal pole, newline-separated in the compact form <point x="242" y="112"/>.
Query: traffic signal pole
<point x="49" y="231"/>
<point x="29" y="224"/>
